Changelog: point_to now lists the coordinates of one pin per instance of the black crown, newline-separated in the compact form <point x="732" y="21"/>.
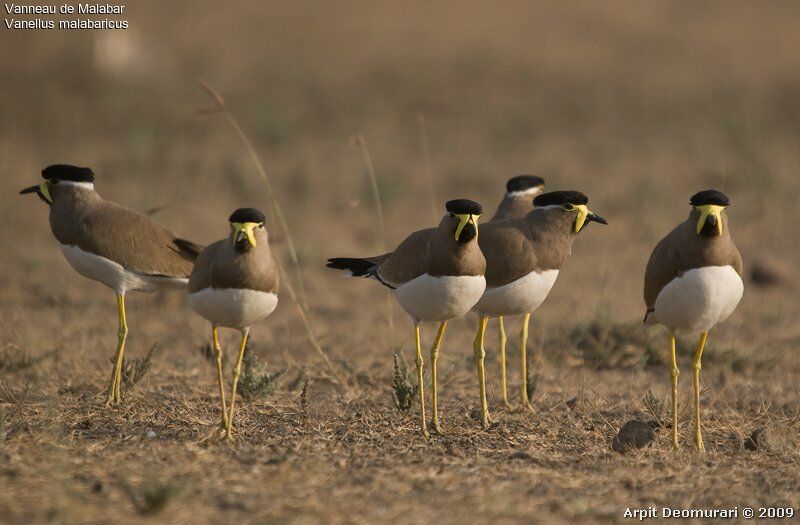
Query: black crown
<point x="67" y="172"/>
<point x="709" y="197"/>
<point x="523" y="182"/>
<point x="557" y="198"/>
<point x="462" y="206"/>
<point x="243" y="215"/>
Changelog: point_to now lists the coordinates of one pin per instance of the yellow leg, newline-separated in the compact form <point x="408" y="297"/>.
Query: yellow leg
<point x="423" y="425"/>
<point x="220" y="382"/>
<point x="480" y="355"/>
<point x="696" y="366"/>
<point x="435" y="378"/>
<point x="236" y="373"/>
<point x="114" y="396"/>
<point x="524" y="370"/>
<point x="675" y="373"/>
<point x="503" y="340"/>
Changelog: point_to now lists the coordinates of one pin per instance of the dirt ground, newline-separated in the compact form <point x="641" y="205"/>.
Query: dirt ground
<point x="637" y="104"/>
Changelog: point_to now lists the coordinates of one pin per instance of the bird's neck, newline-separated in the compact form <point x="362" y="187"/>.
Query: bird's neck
<point x="446" y="256"/>
<point x="553" y="230"/>
<point x="73" y="197"/>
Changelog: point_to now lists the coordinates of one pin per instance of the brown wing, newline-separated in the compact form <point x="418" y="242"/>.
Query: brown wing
<point x="662" y="267"/>
<point x="407" y="262"/>
<point x="136" y="242"/>
<point x="201" y="274"/>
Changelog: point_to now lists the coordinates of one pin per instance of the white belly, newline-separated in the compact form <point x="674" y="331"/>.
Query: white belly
<point x="233" y="307"/>
<point x="699" y="299"/>
<point x="429" y="298"/>
<point x="522" y="296"/>
<point x="114" y="275"/>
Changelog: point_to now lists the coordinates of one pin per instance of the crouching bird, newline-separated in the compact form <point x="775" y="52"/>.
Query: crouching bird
<point x="111" y="244"/>
<point x="234" y="284"/>
<point x="523" y="258"/>
<point x="692" y="282"/>
<point x="436" y="274"/>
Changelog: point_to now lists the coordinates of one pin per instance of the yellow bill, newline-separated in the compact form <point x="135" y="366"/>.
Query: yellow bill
<point x="584" y="215"/>
<point x="712" y="210"/>
<point x="245" y="229"/>
<point x="42" y="190"/>
<point x="463" y="220"/>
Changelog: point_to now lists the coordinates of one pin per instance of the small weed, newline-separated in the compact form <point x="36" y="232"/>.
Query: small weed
<point x="656" y="407"/>
<point x="2" y="429"/>
<point x="304" y="401"/>
<point x="603" y="344"/>
<point x="300" y="380"/>
<point x="134" y="370"/>
<point x="208" y="354"/>
<point x="404" y="392"/>
<point x="531" y="383"/>
<point x="13" y="359"/>
<point x="151" y="497"/>
<point x="254" y="384"/>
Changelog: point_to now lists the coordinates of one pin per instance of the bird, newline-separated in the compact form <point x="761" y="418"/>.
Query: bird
<point x="693" y="281"/>
<point x="517" y="202"/>
<point x="114" y="245"/>
<point x="518" y="199"/>
<point x="523" y="258"/>
<point x="436" y="275"/>
<point x="234" y="284"/>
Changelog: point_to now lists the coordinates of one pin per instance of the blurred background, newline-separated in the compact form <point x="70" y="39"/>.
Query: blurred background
<point x="639" y="104"/>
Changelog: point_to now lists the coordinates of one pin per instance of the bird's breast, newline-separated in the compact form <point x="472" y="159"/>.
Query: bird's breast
<point x="523" y="295"/>
<point x="699" y="299"/>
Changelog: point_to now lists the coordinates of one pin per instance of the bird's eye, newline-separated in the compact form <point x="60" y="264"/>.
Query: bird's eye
<point x="261" y="226"/>
<point x="567" y="207"/>
<point x="54" y="180"/>
<point x="452" y="215"/>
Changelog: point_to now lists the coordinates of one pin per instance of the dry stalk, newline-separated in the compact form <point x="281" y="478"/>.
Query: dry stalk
<point x="380" y="234"/>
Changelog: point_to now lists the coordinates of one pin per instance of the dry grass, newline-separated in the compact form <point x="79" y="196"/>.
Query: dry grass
<point x="637" y="104"/>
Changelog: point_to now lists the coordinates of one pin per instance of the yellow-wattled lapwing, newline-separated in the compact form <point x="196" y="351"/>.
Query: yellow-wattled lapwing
<point x="516" y="203"/>
<point x="234" y="284"/>
<point x="111" y="244"/>
<point x="523" y="257"/>
<point x="692" y="282"/>
<point x="436" y="275"/>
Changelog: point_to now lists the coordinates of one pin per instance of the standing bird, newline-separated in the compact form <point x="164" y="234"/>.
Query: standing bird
<point x="234" y="284"/>
<point x="111" y="244"/>
<point x="523" y="257"/>
<point x="516" y="203"/>
<point x="693" y="281"/>
<point x="436" y="274"/>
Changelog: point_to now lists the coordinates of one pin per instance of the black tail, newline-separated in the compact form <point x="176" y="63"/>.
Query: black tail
<point x="357" y="267"/>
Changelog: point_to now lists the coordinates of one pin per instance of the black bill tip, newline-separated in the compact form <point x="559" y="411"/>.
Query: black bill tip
<point x="596" y="218"/>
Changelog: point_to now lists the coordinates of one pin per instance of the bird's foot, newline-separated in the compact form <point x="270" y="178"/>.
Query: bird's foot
<point x="699" y="444"/>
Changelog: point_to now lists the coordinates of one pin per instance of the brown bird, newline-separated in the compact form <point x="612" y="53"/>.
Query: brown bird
<point x="523" y="258"/>
<point x="234" y="284"/>
<point x="111" y="244"/>
<point x="516" y="203"/>
<point x="436" y="275"/>
<point x="692" y="282"/>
